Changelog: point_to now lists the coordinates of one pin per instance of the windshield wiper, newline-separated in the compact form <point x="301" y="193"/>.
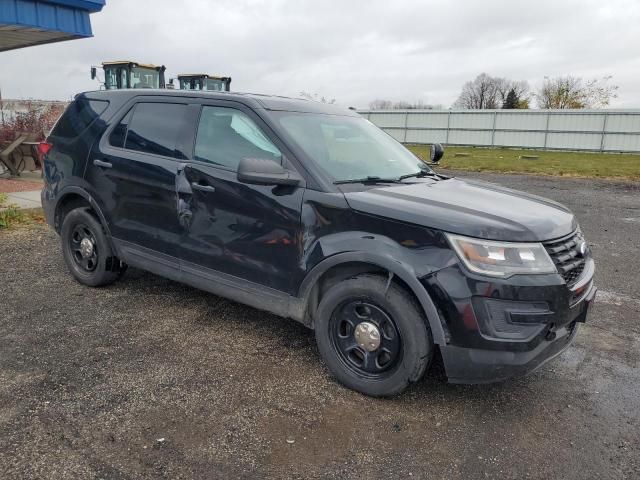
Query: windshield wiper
<point x="368" y="179"/>
<point x="421" y="173"/>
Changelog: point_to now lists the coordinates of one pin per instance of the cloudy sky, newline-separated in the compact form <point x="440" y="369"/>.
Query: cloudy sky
<point x="353" y="51"/>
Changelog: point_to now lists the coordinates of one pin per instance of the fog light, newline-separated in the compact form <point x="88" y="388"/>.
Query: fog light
<point x="508" y="319"/>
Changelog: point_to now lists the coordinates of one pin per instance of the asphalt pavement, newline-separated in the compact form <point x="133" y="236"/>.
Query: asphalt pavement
<point x="148" y="378"/>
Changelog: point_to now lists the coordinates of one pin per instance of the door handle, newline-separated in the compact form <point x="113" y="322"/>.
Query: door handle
<point x="100" y="163"/>
<point x="202" y="188"/>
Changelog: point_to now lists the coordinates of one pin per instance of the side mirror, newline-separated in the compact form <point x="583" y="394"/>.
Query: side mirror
<point x="94" y="73"/>
<point x="264" y="171"/>
<point x="437" y="151"/>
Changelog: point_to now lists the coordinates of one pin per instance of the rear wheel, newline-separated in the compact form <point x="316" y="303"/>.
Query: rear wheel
<point x="86" y="249"/>
<point x="372" y="335"/>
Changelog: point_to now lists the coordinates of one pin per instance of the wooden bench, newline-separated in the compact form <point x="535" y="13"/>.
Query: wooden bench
<point x="21" y="154"/>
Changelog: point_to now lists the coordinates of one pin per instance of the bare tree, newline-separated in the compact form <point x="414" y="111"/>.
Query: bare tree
<point x="481" y="93"/>
<point x="316" y="98"/>
<point x="600" y="92"/>
<point x="572" y="92"/>
<point x="380" y="104"/>
<point x="487" y="92"/>
<point x="401" y="105"/>
<point x="420" y="105"/>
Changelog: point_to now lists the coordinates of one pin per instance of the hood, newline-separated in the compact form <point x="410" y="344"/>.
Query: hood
<point x="468" y="207"/>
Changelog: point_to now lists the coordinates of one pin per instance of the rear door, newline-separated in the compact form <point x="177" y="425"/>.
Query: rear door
<point x="250" y="232"/>
<point x="133" y="173"/>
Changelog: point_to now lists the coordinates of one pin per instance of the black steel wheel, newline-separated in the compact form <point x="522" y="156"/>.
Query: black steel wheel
<point x="373" y="335"/>
<point x="365" y="338"/>
<point x="86" y="249"/>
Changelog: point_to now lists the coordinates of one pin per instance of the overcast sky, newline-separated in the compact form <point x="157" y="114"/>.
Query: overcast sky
<point x="353" y="51"/>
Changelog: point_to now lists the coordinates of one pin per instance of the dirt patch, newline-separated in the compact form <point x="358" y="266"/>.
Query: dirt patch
<point x="8" y="185"/>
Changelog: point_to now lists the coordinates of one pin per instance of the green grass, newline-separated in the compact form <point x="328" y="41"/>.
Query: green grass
<point x="565" y="164"/>
<point x="9" y="214"/>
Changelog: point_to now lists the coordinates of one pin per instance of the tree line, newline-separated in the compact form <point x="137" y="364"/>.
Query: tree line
<point x="488" y="92"/>
<point x="380" y="104"/>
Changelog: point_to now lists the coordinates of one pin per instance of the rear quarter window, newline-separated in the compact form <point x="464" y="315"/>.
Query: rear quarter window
<point x="119" y="133"/>
<point x="78" y="116"/>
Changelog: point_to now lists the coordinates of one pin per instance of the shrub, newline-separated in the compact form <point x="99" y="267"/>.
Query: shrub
<point x="36" y="117"/>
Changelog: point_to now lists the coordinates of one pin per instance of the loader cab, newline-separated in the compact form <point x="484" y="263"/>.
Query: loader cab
<point x="125" y="74"/>
<point x="202" y="81"/>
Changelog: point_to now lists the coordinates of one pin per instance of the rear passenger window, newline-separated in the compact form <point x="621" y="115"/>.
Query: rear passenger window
<point x="226" y="136"/>
<point x="78" y="116"/>
<point x="154" y="128"/>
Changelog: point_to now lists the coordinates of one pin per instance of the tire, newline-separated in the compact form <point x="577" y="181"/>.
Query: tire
<point x="102" y="267"/>
<point x="389" y="368"/>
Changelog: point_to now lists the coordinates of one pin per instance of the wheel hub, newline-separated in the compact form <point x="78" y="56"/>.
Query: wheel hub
<point x="86" y="247"/>
<point x="368" y="336"/>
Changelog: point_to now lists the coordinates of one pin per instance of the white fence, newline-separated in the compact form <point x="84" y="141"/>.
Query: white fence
<point x="592" y="130"/>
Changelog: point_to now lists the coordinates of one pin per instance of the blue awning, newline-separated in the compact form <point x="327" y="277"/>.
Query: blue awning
<point x="24" y="23"/>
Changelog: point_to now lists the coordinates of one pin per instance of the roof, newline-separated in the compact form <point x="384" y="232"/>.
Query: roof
<point x="127" y="62"/>
<point x="255" y="100"/>
<point x="88" y="5"/>
<point x="206" y="75"/>
<point x="25" y="23"/>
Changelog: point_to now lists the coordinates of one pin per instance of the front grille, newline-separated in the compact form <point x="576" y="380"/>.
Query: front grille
<point x="565" y="253"/>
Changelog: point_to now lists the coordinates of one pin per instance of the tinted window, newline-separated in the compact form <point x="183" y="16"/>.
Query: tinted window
<point x="119" y="133"/>
<point x="78" y="116"/>
<point x="154" y="128"/>
<point x="226" y="136"/>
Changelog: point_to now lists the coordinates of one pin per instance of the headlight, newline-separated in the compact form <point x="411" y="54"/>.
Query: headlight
<point x="501" y="259"/>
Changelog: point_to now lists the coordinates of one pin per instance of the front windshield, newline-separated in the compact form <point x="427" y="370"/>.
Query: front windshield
<point x="349" y="148"/>
<point x="144" y="78"/>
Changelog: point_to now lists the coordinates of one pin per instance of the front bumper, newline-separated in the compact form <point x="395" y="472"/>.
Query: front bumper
<point x="500" y="328"/>
<point x="471" y="365"/>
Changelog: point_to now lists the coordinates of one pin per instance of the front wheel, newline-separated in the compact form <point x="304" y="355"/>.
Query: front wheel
<point x="373" y="335"/>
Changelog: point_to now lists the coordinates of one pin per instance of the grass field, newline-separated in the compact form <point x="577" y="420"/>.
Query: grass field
<point x="570" y="164"/>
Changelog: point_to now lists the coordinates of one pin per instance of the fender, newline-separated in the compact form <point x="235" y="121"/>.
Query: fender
<point x="391" y="263"/>
<point x="73" y="189"/>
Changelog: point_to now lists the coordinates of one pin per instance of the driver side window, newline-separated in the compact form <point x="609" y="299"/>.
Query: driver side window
<point x="226" y="135"/>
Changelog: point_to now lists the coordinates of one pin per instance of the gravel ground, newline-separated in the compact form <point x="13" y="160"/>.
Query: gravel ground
<point x="148" y="378"/>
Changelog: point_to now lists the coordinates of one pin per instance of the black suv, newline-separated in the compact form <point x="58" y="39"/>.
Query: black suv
<point x="310" y="212"/>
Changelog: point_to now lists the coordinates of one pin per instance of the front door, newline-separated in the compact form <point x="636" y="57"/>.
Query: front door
<point x="251" y="232"/>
